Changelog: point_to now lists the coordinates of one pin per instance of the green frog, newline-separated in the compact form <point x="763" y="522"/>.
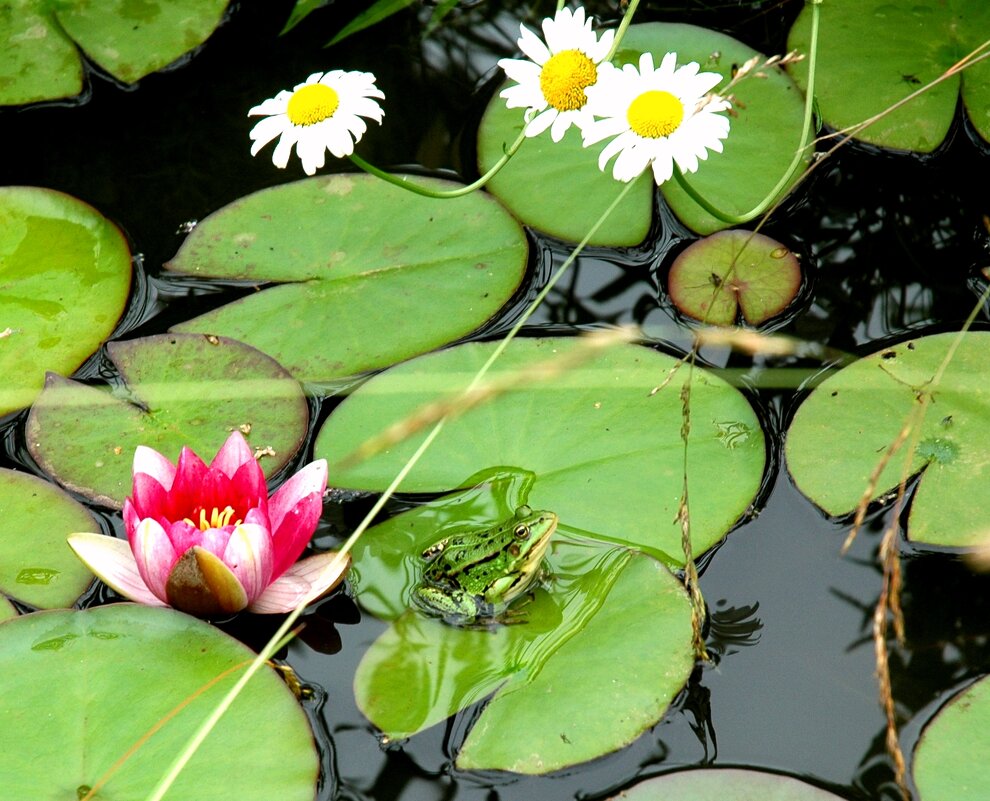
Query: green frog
<point x="475" y="574"/>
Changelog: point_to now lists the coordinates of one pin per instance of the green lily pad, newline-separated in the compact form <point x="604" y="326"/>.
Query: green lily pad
<point x="37" y="567"/>
<point x="600" y="606"/>
<point x="182" y="389"/>
<point x="762" y="140"/>
<point x="127" y="38"/>
<point x="909" y="44"/>
<point x="7" y="609"/>
<point x="65" y="271"/>
<point x="556" y="187"/>
<point x="368" y="274"/>
<point x="716" y="278"/>
<point x="724" y="784"/>
<point x="81" y="688"/>
<point x="950" y="758"/>
<point x="607" y="455"/>
<point x="846" y="424"/>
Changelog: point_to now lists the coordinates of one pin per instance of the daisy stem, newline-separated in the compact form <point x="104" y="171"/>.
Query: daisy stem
<point x="420" y="189"/>
<point x="626" y="20"/>
<point x="809" y="104"/>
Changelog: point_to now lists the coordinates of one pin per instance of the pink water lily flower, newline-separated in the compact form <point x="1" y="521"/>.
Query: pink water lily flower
<point x="209" y="540"/>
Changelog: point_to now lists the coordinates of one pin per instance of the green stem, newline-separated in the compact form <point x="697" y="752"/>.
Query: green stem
<point x="796" y="162"/>
<point x="626" y="21"/>
<point x="420" y="189"/>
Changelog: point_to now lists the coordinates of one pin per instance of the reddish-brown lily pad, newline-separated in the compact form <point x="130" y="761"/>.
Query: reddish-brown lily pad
<point x="732" y="272"/>
<point x="182" y="389"/>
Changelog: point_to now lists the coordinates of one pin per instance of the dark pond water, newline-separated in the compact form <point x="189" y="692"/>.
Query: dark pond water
<point x="891" y="243"/>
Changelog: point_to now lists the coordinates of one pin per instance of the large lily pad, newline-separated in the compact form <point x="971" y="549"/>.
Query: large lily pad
<point x="846" y="424"/>
<point x="368" y="274"/>
<point x="119" y="671"/>
<point x="607" y="455"/>
<point x="65" y="271"/>
<point x="37" y="567"/>
<point x="764" y="136"/>
<point x="599" y="608"/>
<point x="950" y="758"/>
<point x="909" y="44"/>
<point x="724" y="784"/>
<point x="127" y="38"/>
<point x="183" y="389"/>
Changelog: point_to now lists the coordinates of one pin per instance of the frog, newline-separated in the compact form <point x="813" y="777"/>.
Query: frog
<point x="471" y="577"/>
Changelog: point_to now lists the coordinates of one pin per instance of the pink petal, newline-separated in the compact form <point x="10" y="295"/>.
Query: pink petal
<point x="150" y="496"/>
<point x="111" y="559"/>
<point x="249" y="557"/>
<point x="234" y="453"/>
<point x="306" y="581"/>
<point x="183" y="536"/>
<point x="294" y="510"/>
<point x="185" y="493"/>
<point x="154" y="555"/>
<point x="248" y="487"/>
<point x="131" y="518"/>
<point x="152" y="463"/>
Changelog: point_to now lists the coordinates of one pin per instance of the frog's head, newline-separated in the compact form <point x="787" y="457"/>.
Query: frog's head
<point x="530" y="536"/>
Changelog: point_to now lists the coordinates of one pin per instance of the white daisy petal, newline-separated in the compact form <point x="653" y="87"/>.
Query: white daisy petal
<point x="658" y="116"/>
<point x="325" y="112"/>
<point x="567" y="63"/>
<point x="531" y="45"/>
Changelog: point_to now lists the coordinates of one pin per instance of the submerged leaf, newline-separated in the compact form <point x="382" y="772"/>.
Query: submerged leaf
<point x="599" y="608"/>
<point x="724" y="784"/>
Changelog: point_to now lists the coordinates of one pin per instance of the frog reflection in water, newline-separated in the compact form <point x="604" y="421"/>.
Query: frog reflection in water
<point x="475" y="574"/>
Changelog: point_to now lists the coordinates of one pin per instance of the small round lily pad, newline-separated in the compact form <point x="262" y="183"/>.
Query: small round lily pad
<point x="732" y="272"/>
<point x="181" y="390"/>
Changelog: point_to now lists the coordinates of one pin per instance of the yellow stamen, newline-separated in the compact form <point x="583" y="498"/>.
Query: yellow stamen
<point x="655" y="114"/>
<point x="564" y="77"/>
<point x="218" y="518"/>
<point x="312" y="103"/>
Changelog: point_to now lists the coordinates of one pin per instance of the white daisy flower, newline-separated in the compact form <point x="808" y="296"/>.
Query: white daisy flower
<point x="552" y="85"/>
<point x="324" y="113"/>
<point x="658" y="117"/>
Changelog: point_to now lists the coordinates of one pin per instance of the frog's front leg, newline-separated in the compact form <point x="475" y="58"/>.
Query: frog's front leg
<point x="447" y="603"/>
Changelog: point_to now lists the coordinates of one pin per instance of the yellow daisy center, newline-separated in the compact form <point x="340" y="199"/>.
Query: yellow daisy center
<point x="218" y="518"/>
<point x="312" y="103"/>
<point x="655" y="114"/>
<point x="564" y="77"/>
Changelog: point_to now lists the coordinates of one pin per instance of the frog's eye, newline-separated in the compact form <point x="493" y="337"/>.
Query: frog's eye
<point x="521" y="532"/>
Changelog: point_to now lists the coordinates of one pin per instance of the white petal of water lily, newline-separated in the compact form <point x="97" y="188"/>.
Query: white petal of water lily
<point x="112" y="561"/>
<point x="306" y="581"/>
